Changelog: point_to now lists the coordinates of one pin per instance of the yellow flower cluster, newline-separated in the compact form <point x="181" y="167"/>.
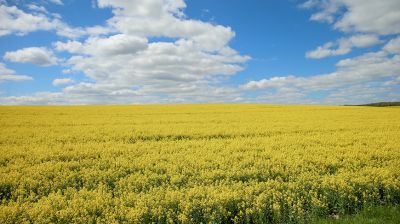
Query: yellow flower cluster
<point x="195" y="163"/>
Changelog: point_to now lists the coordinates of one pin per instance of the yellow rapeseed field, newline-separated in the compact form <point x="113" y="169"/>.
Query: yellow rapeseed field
<point x="195" y="163"/>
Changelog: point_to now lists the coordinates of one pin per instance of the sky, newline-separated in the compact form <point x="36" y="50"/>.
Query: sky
<point x="329" y="52"/>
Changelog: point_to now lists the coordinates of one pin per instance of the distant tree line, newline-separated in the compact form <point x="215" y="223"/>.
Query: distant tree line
<point x="379" y="104"/>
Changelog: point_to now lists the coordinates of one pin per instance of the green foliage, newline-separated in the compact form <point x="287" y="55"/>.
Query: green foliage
<point x="371" y="215"/>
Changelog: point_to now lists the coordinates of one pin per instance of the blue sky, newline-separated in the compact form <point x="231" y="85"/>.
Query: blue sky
<point x="175" y="51"/>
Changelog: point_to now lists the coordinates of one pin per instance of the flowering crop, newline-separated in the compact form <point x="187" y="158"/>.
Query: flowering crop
<point x="195" y="163"/>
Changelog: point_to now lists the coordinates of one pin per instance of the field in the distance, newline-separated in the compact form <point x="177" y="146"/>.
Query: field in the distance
<point x="196" y="163"/>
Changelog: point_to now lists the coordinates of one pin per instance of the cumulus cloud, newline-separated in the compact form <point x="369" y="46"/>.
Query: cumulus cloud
<point x="19" y="22"/>
<point x="7" y="74"/>
<point x="165" y="18"/>
<point x="366" y="20"/>
<point x="151" y="52"/>
<point x="365" y="68"/>
<point x="161" y="62"/>
<point x="361" y="41"/>
<point x="369" y="77"/>
<point x="186" y="64"/>
<point x="60" y="82"/>
<point x="195" y="54"/>
<point x="344" y="46"/>
<point x="118" y="44"/>
<point x="327" y="50"/>
<point x="366" y="16"/>
<point x="35" y="55"/>
<point x="328" y="9"/>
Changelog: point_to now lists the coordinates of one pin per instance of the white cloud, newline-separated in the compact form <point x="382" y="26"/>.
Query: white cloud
<point x="60" y="82"/>
<point x="360" y="94"/>
<point x="366" y="16"/>
<point x="344" y="46"/>
<point x="328" y="13"/>
<point x="365" y="68"/>
<point x="108" y="93"/>
<point x="9" y="75"/>
<point x="373" y="16"/>
<point x="98" y="30"/>
<point x="274" y="82"/>
<point x="161" y="62"/>
<point x="165" y="18"/>
<point x="393" y="46"/>
<point x="34" y="55"/>
<point x="151" y="52"/>
<point x="114" y="45"/>
<point x="183" y="67"/>
<point x="42" y="98"/>
<point x="16" y="21"/>
<point x="309" y="4"/>
<point x="37" y="8"/>
<point x="188" y="66"/>
<point x="58" y="2"/>
<point x="284" y="95"/>
<point x="360" y="79"/>
<point x="363" y="40"/>
<point x="58" y="98"/>
<point x="327" y="51"/>
<point x="393" y="82"/>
